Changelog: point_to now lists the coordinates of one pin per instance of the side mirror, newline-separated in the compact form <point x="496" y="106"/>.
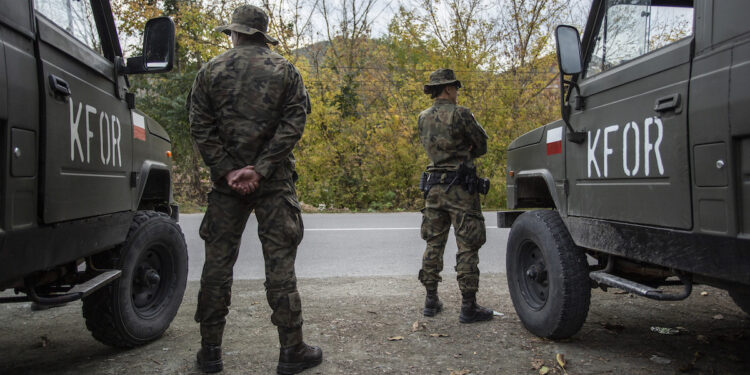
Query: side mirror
<point x="569" y="62"/>
<point x="568" y="49"/>
<point x="158" y="48"/>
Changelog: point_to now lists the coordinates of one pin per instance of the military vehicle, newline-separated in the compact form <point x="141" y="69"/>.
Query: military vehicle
<point x="87" y="209"/>
<point x="644" y="185"/>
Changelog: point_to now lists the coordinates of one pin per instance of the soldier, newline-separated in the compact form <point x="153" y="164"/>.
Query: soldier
<point x="452" y="139"/>
<point x="247" y="111"/>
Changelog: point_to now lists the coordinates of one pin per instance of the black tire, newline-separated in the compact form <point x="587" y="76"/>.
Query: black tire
<point x="741" y="297"/>
<point x="547" y="275"/>
<point x="139" y="306"/>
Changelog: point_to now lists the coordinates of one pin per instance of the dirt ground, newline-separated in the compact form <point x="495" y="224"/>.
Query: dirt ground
<point x="352" y="319"/>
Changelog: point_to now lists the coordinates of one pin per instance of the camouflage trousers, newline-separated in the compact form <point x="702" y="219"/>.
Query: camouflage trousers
<point x="280" y="230"/>
<point x="464" y="212"/>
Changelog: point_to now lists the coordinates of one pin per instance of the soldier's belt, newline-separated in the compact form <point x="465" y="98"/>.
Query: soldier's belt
<point x="468" y="181"/>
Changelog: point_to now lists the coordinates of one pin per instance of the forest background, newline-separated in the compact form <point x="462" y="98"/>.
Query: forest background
<point x="364" y="63"/>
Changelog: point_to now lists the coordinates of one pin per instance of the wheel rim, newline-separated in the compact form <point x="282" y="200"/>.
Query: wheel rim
<point x="154" y="273"/>
<point x="532" y="275"/>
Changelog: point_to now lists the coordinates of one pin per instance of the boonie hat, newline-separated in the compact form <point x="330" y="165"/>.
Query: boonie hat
<point x="442" y="77"/>
<point x="249" y="19"/>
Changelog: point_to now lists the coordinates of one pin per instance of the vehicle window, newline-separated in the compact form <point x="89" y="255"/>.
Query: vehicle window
<point x="75" y="16"/>
<point x="632" y="28"/>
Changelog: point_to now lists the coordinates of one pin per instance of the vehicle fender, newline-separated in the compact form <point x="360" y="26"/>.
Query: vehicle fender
<point x="521" y="179"/>
<point x="154" y="182"/>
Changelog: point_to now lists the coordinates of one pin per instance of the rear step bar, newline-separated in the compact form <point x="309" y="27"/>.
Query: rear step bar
<point x="604" y="278"/>
<point x="77" y="292"/>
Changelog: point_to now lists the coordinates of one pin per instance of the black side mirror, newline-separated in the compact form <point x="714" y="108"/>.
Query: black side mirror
<point x="158" y="48"/>
<point x="569" y="62"/>
<point x="568" y="49"/>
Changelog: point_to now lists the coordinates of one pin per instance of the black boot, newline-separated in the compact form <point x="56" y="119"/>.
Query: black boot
<point x="471" y="312"/>
<point x="209" y="358"/>
<point x="295" y="359"/>
<point x="432" y="304"/>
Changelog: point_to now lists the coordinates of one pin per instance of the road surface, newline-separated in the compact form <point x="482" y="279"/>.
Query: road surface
<point x="362" y="244"/>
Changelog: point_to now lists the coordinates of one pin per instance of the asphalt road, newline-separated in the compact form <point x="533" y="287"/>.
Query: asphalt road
<point x="362" y="244"/>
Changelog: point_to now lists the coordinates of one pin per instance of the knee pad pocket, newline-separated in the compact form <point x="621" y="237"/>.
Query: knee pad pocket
<point x="471" y="229"/>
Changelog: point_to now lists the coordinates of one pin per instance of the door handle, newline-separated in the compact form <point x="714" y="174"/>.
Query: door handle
<point x="667" y="103"/>
<point x="59" y="86"/>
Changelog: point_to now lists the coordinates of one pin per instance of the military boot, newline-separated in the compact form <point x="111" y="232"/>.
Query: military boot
<point x="295" y="359"/>
<point x="432" y="304"/>
<point x="209" y="358"/>
<point x="471" y="312"/>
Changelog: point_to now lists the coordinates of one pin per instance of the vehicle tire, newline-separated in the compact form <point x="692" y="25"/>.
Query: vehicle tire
<point x="547" y="275"/>
<point x="139" y="306"/>
<point x="741" y="297"/>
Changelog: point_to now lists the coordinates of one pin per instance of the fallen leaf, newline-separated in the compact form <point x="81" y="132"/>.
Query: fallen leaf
<point x="665" y="330"/>
<point x="615" y="327"/>
<point x="544" y="370"/>
<point x="438" y="335"/>
<point x="460" y="372"/>
<point x="704" y="294"/>
<point x="537" y="363"/>
<point x="702" y="339"/>
<point x="396" y="338"/>
<point x="660" y="360"/>
<point x="620" y="292"/>
<point x="415" y="326"/>
<point x="718" y="317"/>
<point x="561" y="361"/>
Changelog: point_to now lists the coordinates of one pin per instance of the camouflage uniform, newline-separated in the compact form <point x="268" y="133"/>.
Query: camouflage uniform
<point x="450" y="136"/>
<point x="248" y="107"/>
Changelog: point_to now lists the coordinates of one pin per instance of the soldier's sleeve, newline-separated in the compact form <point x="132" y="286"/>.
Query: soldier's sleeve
<point x="474" y="132"/>
<point x="204" y="129"/>
<point x="291" y="125"/>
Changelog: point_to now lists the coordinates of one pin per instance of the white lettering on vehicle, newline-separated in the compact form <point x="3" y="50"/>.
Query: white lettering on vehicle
<point x="636" y="151"/>
<point x="109" y="142"/>
<point x="631" y="144"/>
<point x="608" y="151"/>
<point x="591" y="156"/>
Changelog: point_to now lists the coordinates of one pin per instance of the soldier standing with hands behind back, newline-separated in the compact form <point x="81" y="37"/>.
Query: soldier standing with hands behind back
<point x="452" y="139"/>
<point x="247" y="111"/>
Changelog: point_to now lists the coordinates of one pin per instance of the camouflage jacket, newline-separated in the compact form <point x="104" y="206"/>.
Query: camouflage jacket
<point x="447" y="132"/>
<point x="248" y="107"/>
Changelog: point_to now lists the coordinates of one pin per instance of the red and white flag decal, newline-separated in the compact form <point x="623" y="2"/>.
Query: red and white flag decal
<point x="139" y="127"/>
<point x="554" y="141"/>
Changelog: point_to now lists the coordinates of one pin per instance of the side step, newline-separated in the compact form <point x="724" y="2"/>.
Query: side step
<point x="79" y="291"/>
<point x="614" y="281"/>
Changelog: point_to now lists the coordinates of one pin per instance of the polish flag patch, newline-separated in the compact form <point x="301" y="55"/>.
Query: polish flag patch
<point x="139" y="127"/>
<point x="554" y="141"/>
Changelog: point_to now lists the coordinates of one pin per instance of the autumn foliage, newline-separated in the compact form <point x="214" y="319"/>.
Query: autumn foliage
<point x="360" y="150"/>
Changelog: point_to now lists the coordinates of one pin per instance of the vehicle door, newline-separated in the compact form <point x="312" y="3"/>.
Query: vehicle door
<point x="633" y="164"/>
<point x="87" y="139"/>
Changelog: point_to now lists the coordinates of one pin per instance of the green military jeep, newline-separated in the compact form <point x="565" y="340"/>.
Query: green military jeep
<point x="645" y="182"/>
<point x="87" y="210"/>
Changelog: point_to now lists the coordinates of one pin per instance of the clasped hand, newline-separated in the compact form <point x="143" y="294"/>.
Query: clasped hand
<point x="245" y="180"/>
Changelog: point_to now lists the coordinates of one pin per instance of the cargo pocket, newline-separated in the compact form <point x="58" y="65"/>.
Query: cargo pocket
<point x="206" y="229"/>
<point x="297" y="226"/>
<point x="295" y="303"/>
<point x="471" y="229"/>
